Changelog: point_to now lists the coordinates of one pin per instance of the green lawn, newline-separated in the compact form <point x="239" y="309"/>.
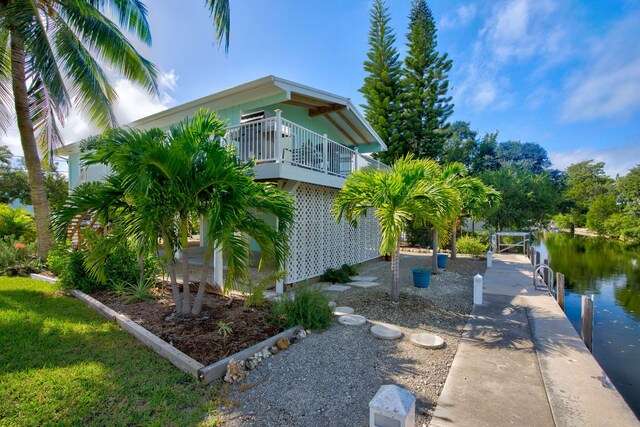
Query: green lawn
<point x="63" y="364"/>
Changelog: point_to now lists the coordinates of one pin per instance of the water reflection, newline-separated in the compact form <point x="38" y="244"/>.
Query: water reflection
<point x="587" y="262"/>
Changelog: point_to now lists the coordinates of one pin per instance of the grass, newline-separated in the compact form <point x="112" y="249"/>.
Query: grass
<point x="63" y="364"/>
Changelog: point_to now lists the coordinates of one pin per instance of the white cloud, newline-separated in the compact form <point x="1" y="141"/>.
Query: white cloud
<point x="618" y="160"/>
<point x="514" y="30"/>
<point x="133" y="103"/>
<point x="462" y="16"/>
<point x="608" y="85"/>
<point x="523" y="28"/>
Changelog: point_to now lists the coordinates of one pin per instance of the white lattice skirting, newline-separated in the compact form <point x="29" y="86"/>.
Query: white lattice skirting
<point x="318" y="242"/>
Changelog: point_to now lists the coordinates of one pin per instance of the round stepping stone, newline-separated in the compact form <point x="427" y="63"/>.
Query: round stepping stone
<point x="427" y="340"/>
<point x="342" y="311"/>
<point x="363" y="284"/>
<point x="352" y="320"/>
<point x="386" y="332"/>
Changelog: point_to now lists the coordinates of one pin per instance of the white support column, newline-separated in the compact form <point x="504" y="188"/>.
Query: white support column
<point x="279" y="283"/>
<point x="218" y="268"/>
<point x="278" y="153"/>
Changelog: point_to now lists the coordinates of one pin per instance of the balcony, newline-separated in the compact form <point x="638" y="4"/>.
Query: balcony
<point x="276" y="141"/>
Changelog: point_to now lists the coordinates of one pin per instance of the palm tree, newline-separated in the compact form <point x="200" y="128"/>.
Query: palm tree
<point x="406" y="192"/>
<point x="473" y="194"/>
<point x="476" y="197"/>
<point x="50" y="53"/>
<point x="160" y="178"/>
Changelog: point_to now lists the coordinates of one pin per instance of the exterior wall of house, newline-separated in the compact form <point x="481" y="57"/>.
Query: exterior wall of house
<point x="319" y="242"/>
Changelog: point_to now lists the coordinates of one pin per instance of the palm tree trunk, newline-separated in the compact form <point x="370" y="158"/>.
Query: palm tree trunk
<point x="140" y="263"/>
<point x="395" y="273"/>
<point x="197" y="302"/>
<point x="171" y="269"/>
<point x="454" y="236"/>
<point x="434" y="258"/>
<point x="186" y="291"/>
<point x="30" y="146"/>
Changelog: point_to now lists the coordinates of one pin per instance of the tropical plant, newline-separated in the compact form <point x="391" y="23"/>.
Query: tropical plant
<point x="255" y="296"/>
<point x="17" y="258"/>
<point x="160" y="178"/>
<point x="16" y="223"/>
<point x="475" y="197"/>
<point x="224" y="329"/>
<point x="49" y="53"/>
<point x="139" y="291"/>
<point x="308" y="306"/>
<point x="410" y="191"/>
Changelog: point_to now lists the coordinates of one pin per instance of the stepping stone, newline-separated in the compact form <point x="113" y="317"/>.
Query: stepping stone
<point x="341" y="311"/>
<point x="337" y="288"/>
<point x="386" y="332"/>
<point x="427" y="340"/>
<point x="332" y="304"/>
<point x="352" y="320"/>
<point x="363" y="284"/>
<point x="363" y="278"/>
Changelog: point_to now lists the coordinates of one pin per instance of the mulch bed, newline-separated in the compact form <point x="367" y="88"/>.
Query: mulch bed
<point x="199" y="336"/>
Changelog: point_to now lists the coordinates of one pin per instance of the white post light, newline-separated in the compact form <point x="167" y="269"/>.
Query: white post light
<point x="477" y="289"/>
<point x="392" y="406"/>
<point x="489" y="258"/>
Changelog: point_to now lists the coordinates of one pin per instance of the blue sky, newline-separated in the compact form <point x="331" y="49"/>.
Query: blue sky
<point x="564" y="74"/>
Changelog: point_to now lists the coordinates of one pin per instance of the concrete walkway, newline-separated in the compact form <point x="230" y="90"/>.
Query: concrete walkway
<point x="521" y="362"/>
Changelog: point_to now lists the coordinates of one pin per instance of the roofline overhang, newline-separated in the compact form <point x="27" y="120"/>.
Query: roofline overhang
<point x="287" y="86"/>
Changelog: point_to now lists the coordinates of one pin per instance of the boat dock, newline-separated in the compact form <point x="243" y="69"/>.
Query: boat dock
<point x="521" y="362"/>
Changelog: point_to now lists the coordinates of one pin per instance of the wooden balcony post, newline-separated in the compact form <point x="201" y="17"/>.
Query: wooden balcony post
<point x="278" y="153"/>
<point x="325" y="151"/>
<point x="355" y="157"/>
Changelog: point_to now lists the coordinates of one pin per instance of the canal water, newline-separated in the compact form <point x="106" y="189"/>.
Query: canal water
<point x="611" y="272"/>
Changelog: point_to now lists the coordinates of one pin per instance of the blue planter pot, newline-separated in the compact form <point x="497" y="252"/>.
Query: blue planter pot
<point x="442" y="260"/>
<point x="421" y="277"/>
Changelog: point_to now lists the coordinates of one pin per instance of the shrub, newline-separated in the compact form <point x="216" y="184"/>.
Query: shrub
<point x="349" y="269"/>
<point x="17" y="223"/>
<point x="255" y="296"/>
<point x="73" y="273"/>
<point x="57" y="258"/>
<point x="471" y="245"/>
<point x="339" y="275"/>
<point x="17" y="258"/>
<point x="309" y="308"/>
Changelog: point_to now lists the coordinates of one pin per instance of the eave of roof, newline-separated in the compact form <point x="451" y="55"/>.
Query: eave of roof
<point x="249" y="89"/>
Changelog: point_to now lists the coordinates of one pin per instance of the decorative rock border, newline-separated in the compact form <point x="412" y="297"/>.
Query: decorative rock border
<point x="217" y="370"/>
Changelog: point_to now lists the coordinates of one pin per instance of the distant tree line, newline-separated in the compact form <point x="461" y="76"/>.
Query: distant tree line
<point x="604" y="205"/>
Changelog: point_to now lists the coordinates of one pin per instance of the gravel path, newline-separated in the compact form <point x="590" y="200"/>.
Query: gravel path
<point x="330" y="377"/>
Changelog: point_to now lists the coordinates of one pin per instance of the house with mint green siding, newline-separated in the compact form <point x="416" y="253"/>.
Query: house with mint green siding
<point x="304" y="139"/>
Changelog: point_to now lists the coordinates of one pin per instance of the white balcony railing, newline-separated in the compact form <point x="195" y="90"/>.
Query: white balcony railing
<point x="276" y="140"/>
